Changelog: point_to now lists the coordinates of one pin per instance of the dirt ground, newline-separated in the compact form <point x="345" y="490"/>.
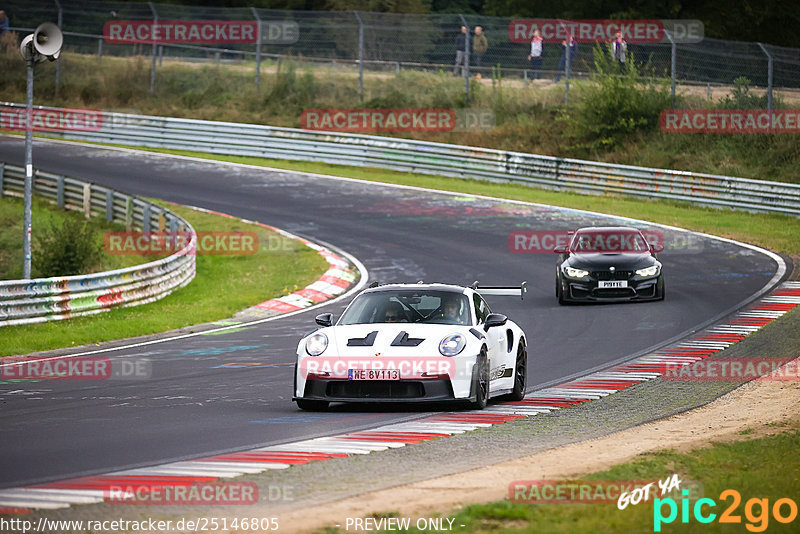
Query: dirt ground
<point x="757" y="406"/>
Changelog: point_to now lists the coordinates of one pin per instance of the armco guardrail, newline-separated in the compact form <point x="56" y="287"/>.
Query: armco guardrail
<point x="48" y="299"/>
<point x="436" y="158"/>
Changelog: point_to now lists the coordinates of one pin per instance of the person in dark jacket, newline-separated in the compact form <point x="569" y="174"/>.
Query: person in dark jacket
<point x="479" y="45"/>
<point x="572" y="45"/>
<point x="3" y="22"/>
<point x="461" y="51"/>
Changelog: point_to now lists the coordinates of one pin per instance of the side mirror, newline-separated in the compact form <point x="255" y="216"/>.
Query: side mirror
<point x="494" y="319"/>
<point x="324" y="319"/>
<point x="656" y="248"/>
<point x="561" y="249"/>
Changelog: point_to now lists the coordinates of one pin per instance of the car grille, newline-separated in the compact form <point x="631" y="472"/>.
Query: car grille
<point x="608" y="275"/>
<point x="382" y="389"/>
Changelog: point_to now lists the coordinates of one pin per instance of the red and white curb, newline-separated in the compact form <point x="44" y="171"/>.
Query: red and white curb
<point x="336" y="280"/>
<point x="594" y="386"/>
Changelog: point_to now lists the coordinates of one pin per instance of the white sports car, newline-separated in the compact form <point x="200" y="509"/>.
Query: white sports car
<point x="413" y="343"/>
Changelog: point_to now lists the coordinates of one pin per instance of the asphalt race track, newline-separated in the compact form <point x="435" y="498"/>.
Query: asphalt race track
<point x="194" y="405"/>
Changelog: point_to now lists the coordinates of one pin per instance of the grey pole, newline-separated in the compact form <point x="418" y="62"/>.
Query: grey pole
<point x="360" y="54"/>
<point x="258" y="49"/>
<point x="769" y="76"/>
<point x="466" y="61"/>
<point x="673" y="64"/>
<point x="568" y="64"/>
<point x="26" y="229"/>
<point x="155" y="52"/>
<point x="58" y="61"/>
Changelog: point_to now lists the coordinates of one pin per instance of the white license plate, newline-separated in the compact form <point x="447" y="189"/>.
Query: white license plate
<point x="610" y="284"/>
<point x="373" y="374"/>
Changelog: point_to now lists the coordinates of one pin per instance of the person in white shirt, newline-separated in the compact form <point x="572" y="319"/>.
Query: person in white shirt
<point x="619" y="48"/>
<point x="535" y="56"/>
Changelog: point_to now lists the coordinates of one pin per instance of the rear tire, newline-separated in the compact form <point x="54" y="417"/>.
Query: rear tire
<point x="312" y="405"/>
<point x="480" y="382"/>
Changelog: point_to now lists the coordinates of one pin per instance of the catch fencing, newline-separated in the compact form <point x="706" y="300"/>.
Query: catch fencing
<point x="49" y="299"/>
<point x="391" y="42"/>
<point x="562" y="174"/>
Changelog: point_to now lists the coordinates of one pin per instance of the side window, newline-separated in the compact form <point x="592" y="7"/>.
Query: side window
<point x="481" y="309"/>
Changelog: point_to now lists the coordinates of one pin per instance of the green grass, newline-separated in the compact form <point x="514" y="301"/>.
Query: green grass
<point x="763" y="468"/>
<point x="45" y="215"/>
<point x="780" y="233"/>
<point x="224" y="285"/>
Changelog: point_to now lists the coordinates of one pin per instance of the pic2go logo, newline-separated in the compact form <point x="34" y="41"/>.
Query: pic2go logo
<point x="756" y="511"/>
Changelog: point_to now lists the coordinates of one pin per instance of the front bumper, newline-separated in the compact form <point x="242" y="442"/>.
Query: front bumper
<point x="588" y="291"/>
<point x="378" y="390"/>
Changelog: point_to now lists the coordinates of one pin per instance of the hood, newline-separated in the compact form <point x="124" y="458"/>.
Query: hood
<point x="390" y="339"/>
<point x="601" y="262"/>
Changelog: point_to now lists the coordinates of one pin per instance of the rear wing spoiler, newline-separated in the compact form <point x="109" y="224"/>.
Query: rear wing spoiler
<point x="505" y="291"/>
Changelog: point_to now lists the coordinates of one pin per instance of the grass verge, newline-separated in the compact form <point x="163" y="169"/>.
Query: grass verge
<point x="224" y="285"/>
<point x="776" y="232"/>
<point x="757" y="468"/>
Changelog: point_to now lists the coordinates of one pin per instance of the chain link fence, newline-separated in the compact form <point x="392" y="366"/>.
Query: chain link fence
<point x="359" y="42"/>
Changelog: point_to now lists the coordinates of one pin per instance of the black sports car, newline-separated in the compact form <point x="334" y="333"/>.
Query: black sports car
<point x="608" y="264"/>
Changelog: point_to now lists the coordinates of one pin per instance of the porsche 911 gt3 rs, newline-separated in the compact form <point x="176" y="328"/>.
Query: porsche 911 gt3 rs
<point x="413" y="343"/>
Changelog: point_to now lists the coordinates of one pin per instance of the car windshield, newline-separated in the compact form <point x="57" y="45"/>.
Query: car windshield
<point x="408" y="306"/>
<point x="608" y="242"/>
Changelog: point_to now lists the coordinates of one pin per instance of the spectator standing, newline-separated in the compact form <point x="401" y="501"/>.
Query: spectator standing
<point x="3" y="22"/>
<point x="569" y="46"/>
<point x="619" y="48"/>
<point x="461" y="51"/>
<point x="480" y="45"/>
<point x="535" y="57"/>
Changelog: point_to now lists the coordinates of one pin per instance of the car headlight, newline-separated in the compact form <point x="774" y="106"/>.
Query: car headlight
<point x="316" y="344"/>
<point x="575" y="273"/>
<point x="452" y="345"/>
<point x="648" y="271"/>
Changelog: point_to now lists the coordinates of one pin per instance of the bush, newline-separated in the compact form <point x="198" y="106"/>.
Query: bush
<point x="741" y="97"/>
<point x="69" y="249"/>
<point x="618" y="101"/>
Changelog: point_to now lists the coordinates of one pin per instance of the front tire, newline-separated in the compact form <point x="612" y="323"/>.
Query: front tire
<point x="520" y="374"/>
<point x="663" y="290"/>
<point x="560" y="292"/>
<point x="480" y="382"/>
<point x="312" y="405"/>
